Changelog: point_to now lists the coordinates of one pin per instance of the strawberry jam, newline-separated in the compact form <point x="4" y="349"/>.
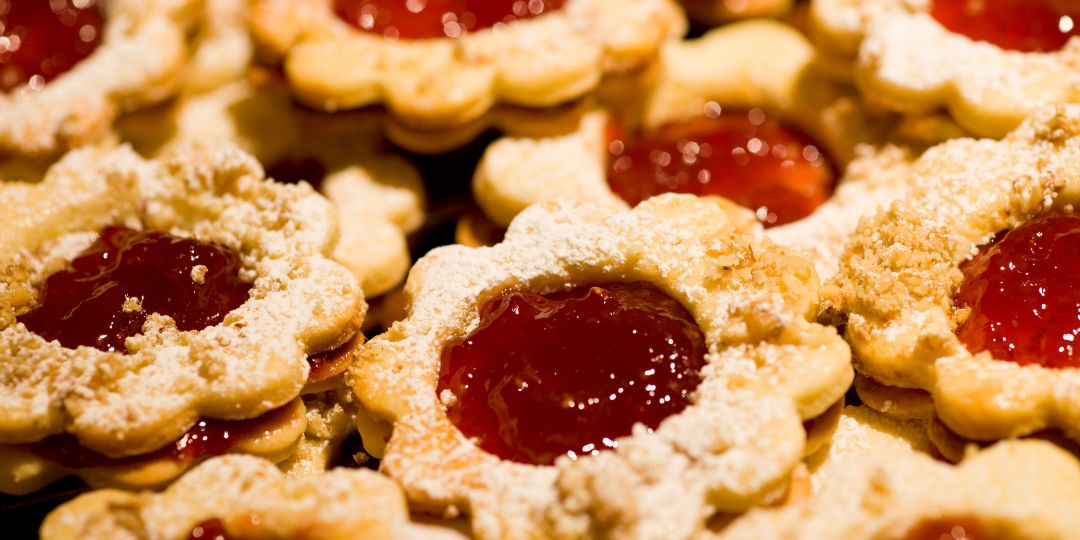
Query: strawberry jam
<point x="1023" y="297"/>
<point x="106" y="293"/>
<point x="757" y="162"/>
<point x="40" y="39"/>
<point x="567" y="373"/>
<point x="207" y="438"/>
<point x="1018" y="25"/>
<point x="947" y="528"/>
<point x="211" y="529"/>
<point x="424" y="19"/>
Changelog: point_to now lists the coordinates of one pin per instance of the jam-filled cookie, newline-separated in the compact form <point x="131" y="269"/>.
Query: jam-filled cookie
<point x="246" y="498"/>
<point x="759" y="127"/>
<point x="990" y="63"/>
<point x="156" y="309"/>
<point x="602" y="373"/>
<point x="1016" y="489"/>
<point x="379" y="196"/>
<point x="445" y="63"/>
<point x="68" y="67"/>
<point x="963" y="295"/>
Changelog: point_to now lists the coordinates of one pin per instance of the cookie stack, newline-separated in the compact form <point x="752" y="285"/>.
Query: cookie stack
<point x="502" y="269"/>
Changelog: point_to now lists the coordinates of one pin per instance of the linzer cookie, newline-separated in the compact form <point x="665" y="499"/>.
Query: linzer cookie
<point x="989" y="63"/>
<point x="567" y="382"/>
<point x="242" y="498"/>
<point x="162" y="309"/>
<point x="444" y="64"/>
<point x="69" y="67"/>
<point x="962" y="295"/>
<point x="760" y="128"/>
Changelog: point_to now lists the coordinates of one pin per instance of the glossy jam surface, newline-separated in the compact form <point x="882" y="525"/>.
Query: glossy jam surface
<point x="207" y="438"/>
<point x="423" y="19"/>
<point x="1019" y="25"/>
<point x="211" y="529"/>
<point x="569" y="372"/>
<point x="756" y="161"/>
<point x="948" y="528"/>
<point x="95" y="301"/>
<point x="1023" y="294"/>
<point x="40" y="39"/>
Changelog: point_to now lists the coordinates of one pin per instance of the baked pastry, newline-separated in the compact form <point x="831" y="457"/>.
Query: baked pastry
<point x="912" y="497"/>
<point x="959" y="294"/>
<point x="447" y="64"/>
<point x="990" y="64"/>
<point x="69" y="67"/>
<point x="242" y="497"/>
<point x="164" y="305"/>
<point x="760" y="127"/>
<point x="379" y="196"/>
<point x="223" y="49"/>
<point x="582" y="434"/>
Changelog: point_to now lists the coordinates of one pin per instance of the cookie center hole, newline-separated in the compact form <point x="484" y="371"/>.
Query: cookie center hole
<point x="1018" y="25"/>
<point x="569" y="372"/>
<point x="948" y="528"/>
<point x="425" y="19"/>
<point x="756" y="161"/>
<point x="42" y="39"/>
<point x="106" y="293"/>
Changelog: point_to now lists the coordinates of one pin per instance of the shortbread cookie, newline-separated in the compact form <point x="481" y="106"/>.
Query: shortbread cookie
<point x="77" y="64"/>
<point x="962" y="290"/>
<point x="672" y="279"/>
<point x="1023" y="489"/>
<point x="991" y="64"/>
<point x="152" y="296"/>
<point x="759" y="127"/>
<point x="445" y="65"/>
<point x="246" y="498"/>
<point x="379" y="196"/>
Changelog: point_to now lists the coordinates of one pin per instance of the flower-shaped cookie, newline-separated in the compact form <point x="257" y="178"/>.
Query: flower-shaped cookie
<point x="379" y="196"/>
<point x="246" y="497"/>
<point x="170" y="291"/>
<point x="758" y="72"/>
<point x="344" y="54"/>
<point x="727" y="445"/>
<point x="63" y="83"/>
<point x="916" y="56"/>
<point x="934" y="288"/>
<point x="1016" y="489"/>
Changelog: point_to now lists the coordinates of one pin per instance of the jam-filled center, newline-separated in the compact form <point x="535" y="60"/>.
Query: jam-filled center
<point x="569" y="372"/>
<point x="41" y="39"/>
<point x="1022" y="294"/>
<point x="211" y="529"/>
<point x="1019" y="25"/>
<point x="948" y="528"/>
<point x="423" y="19"/>
<point x="757" y="162"/>
<point x="108" y="290"/>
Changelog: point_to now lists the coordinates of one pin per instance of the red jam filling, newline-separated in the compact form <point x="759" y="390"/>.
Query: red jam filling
<point x="424" y="19"/>
<point x="40" y="39"/>
<point x="567" y="373"/>
<point x="757" y="162"/>
<point x="1018" y="25"/>
<point x="1022" y="293"/>
<point x="948" y="528"/>
<point x="94" y="302"/>
<point x="207" y="438"/>
<point x="211" y="529"/>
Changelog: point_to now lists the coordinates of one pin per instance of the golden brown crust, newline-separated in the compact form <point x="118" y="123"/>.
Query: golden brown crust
<point x="753" y="302"/>
<point x="1015" y="489"/>
<point x="255" y="360"/>
<point x="379" y="196"/>
<point x="445" y="83"/>
<point x="900" y="272"/>
<point x="906" y="61"/>
<point x="519" y="171"/>
<point x="253" y="500"/>
<point x="139" y="62"/>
